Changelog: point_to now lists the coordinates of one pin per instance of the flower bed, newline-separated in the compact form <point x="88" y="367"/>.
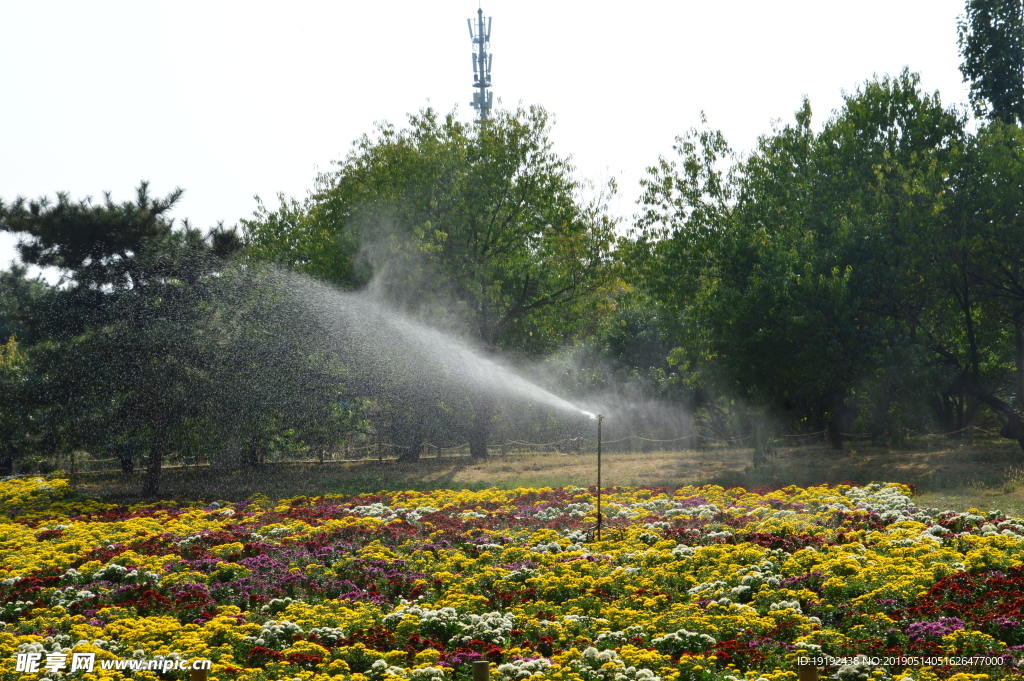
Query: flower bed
<point x="695" y="583"/>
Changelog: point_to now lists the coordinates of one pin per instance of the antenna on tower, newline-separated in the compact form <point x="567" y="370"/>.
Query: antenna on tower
<point x="482" y="60"/>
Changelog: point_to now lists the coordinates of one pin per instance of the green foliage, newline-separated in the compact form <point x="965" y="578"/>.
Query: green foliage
<point x="991" y="39"/>
<point x="988" y="209"/>
<point x="14" y="411"/>
<point x="158" y="339"/>
<point x="857" y="271"/>
<point x="96" y="242"/>
<point x="478" y="226"/>
<point x="480" y="222"/>
<point x="838" y="274"/>
<point x="867" y="275"/>
<point x="313" y="237"/>
<point x="20" y="299"/>
<point x="991" y="177"/>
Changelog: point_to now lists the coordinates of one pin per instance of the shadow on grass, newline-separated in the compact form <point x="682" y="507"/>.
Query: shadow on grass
<point x="280" y="481"/>
<point x="960" y="470"/>
<point x="988" y="475"/>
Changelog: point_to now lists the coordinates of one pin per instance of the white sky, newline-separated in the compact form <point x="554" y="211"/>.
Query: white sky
<point x="231" y="99"/>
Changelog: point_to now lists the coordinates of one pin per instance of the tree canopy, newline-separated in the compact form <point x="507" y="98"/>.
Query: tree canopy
<point x="154" y="335"/>
<point x="861" y="275"/>
<point x="480" y="223"/>
<point x="991" y="39"/>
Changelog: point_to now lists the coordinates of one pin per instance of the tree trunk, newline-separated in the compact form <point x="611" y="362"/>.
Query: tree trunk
<point x="231" y="458"/>
<point x="483" y="412"/>
<point x="764" y="448"/>
<point x="961" y="416"/>
<point x="952" y="411"/>
<point x="410" y="436"/>
<point x="841" y="419"/>
<point x="942" y="408"/>
<point x="1013" y="429"/>
<point x="251" y="458"/>
<point x="412" y="452"/>
<point x="151" y="483"/>
<point x="124" y="451"/>
<point x="834" y="433"/>
<point x="1019" y="328"/>
<point x="880" y="422"/>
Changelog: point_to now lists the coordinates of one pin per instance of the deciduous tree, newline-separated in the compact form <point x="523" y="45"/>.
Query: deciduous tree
<point x="991" y="39"/>
<point x="482" y="223"/>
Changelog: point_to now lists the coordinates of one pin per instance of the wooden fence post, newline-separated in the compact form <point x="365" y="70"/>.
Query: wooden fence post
<point x="200" y="675"/>
<point x="481" y="670"/>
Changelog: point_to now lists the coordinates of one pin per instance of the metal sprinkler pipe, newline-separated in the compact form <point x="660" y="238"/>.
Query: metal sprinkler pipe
<point x="599" y="420"/>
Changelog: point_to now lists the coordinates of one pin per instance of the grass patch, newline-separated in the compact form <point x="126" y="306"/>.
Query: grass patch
<point x="986" y="475"/>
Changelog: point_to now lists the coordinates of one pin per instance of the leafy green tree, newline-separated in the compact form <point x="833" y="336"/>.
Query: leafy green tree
<point x="156" y="334"/>
<point x="274" y="383"/>
<point x="991" y="39"/>
<point x="767" y="315"/>
<point x="989" y="232"/>
<point x="785" y="262"/>
<point x="15" y="406"/>
<point x="673" y="260"/>
<point x="129" y="315"/>
<point x="882" y="201"/>
<point x="20" y="300"/>
<point x="480" y="222"/>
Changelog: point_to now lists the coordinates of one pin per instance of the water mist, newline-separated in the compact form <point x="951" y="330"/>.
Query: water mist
<point x="388" y="353"/>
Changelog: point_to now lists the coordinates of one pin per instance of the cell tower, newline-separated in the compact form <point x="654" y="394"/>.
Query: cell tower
<point x="482" y="60"/>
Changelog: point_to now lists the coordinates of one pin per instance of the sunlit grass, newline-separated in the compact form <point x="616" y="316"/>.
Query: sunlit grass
<point x="987" y="475"/>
